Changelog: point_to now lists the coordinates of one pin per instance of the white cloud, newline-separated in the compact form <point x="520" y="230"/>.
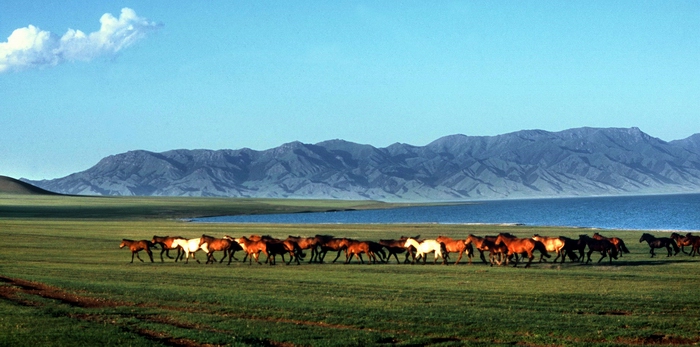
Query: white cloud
<point x="31" y="47"/>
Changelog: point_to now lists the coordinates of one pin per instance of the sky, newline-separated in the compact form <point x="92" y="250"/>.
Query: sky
<point x="82" y="80"/>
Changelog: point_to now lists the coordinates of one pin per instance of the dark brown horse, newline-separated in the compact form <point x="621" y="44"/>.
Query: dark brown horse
<point x="329" y="243"/>
<point x="136" y="247"/>
<point x="306" y="243"/>
<point x="605" y="247"/>
<point x="395" y="247"/>
<point x="166" y="244"/>
<point x="225" y="245"/>
<point x="571" y="246"/>
<point x="525" y="246"/>
<point x="694" y="243"/>
<point x="616" y="241"/>
<point x="457" y="246"/>
<point x="659" y="242"/>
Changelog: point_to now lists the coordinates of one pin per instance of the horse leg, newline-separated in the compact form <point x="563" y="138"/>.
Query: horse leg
<point x="530" y="256"/>
<point x="460" y="257"/>
<point x="603" y="256"/>
<point x="338" y="256"/>
<point x="150" y="254"/>
<point x="651" y="250"/>
<point x="132" y="257"/>
<point x="161" y="254"/>
<point x="137" y="256"/>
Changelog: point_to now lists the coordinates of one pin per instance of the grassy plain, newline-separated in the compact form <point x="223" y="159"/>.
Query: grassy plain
<point x="65" y="282"/>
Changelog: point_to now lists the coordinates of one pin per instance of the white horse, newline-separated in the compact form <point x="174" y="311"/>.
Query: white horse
<point x="190" y="247"/>
<point x="427" y="246"/>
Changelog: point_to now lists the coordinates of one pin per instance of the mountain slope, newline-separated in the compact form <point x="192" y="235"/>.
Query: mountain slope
<point x="529" y="163"/>
<point x="10" y="185"/>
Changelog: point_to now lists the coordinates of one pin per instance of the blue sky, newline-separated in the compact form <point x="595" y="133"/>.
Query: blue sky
<point x="165" y="75"/>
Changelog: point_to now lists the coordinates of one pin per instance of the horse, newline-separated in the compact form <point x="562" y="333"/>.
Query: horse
<point x="190" y="247"/>
<point x="661" y="242"/>
<point x="694" y="243"/>
<point x="457" y="246"/>
<point x="425" y="247"/>
<point x="136" y="247"/>
<point x="225" y="245"/>
<point x="683" y="241"/>
<point x="616" y="241"/>
<point x="306" y="243"/>
<point x="280" y="247"/>
<point x="166" y="244"/>
<point x="521" y="246"/>
<point x="329" y="243"/>
<point x="252" y="248"/>
<point x="483" y="244"/>
<point x="570" y="247"/>
<point x="395" y="247"/>
<point x="551" y="244"/>
<point x="356" y="248"/>
<point x="605" y="247"/>
<point x="487" y="243"/>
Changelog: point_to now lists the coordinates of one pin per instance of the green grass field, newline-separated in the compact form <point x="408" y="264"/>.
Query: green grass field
<point x="65" y="282"/>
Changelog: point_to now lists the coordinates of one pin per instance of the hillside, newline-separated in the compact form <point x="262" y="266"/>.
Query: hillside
<point x="10" y="185"/>
<point x="524" y="164"/>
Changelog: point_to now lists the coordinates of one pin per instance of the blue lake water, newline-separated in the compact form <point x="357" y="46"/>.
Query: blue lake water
<point x="656" y="212"/>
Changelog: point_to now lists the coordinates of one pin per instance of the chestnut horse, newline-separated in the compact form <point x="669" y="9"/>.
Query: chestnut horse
<point x="605" y="247"/>
<point x="694" y="243"/>
<point x="225" y="245"/>
<point x="356" y="248"/>
<point x="660" y="242"/>
<point x="521" y="246"/>
<point x="166" y="244"/>
<point x="457" y="246"/>
<point x="616" y="241"/>
<point x="552" y="244"/>
<point x="136" y="247"/>
<point x="425" y="247"/>
<point x="252" y="248"/>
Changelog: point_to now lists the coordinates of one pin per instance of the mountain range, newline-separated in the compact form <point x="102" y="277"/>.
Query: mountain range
<point x="523" y="164"/>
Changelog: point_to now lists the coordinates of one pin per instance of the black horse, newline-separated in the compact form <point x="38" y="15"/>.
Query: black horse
<point x="661" y="242"/>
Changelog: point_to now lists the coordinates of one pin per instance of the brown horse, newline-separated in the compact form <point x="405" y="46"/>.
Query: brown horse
<point x="457" y="246"/>
<point x="616" y="241"/>
<point x="552" y="244"/>
<point x="524" y="246"/>
<point x="356" y="248"/>
<point x="329" y="243"/>
<point x="306" y="243"/>
<point x="225" y="245"/>
<point x="496" y="252"/>
<point x="252" y="248"/>
<point x="136" y="247"/>
<point x="605" y="247"/>
<point x="694" y="243"/>
<point x="166" y="244"/>
<point x="659" y="242"/>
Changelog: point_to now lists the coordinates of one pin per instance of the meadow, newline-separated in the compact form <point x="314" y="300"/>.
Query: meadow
<point x="65" y="282"/>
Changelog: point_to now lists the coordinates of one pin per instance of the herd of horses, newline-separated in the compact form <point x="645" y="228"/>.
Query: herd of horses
<point x="503" y="248"/>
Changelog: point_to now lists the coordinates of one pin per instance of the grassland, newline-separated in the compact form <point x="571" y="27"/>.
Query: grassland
<point x="65" y="282"/>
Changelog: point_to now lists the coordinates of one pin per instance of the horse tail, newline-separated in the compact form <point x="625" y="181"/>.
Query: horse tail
<point x="540" y="247"/>
<point x="623" y="248"/>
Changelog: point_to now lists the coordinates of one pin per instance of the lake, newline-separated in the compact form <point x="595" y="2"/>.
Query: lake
<point x="654" y="212"/>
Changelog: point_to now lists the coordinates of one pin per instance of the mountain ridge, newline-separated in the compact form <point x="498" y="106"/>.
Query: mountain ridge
<point x="522" y="164"/>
